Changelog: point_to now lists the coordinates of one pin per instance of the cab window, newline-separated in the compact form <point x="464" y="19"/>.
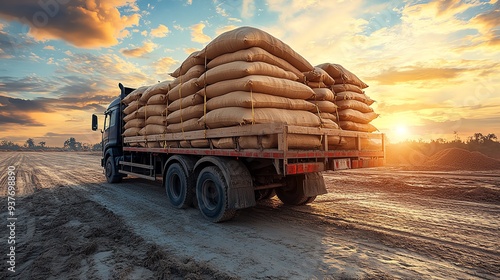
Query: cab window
<point x="107" y="120"/>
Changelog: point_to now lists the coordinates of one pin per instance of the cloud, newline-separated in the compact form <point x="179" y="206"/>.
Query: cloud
<point x="394" y="76"/>
<point x="160" y="31"/>
<point x="225" y="29"/>
<point x="26" y="84"/>
<point x="82" y="23"/>
<point x="141" y="51"/>
<point x="247" y="8"/>
<point x="49" y="48"/>
<point x="197" y="34"/>
<point x="221" y="11"/>
<point x="164" y="66"/>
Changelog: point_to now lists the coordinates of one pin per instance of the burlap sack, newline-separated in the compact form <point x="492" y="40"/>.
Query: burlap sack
<point x="182" y="90"/>
<point x="294" y="141"/>
<point x="188" y="125"/>
<point x="316" y="84"/>
<point x="342" y="75"/>
<point x="257" y="100"/>
<point x="159" y="120"/>
<point x="152" y="129"/>
<point x="139" y="114"/>
<point x="328" y="116"/>
<point x="247" y="37"/>
<point x="193" y="72"/>
<point x="201" y="143"/>
<point x="159" y="88"/>
<point x="193" y="99"/>
<point x="348" y="125"/>
<point x="346" y="87"/>
<point x="134" y="123"/>
<point x="153" y="110"/>
<point x="319" y="75"/>
<point x="233" y="116"/>
<point x="132" y="131"/>
<point x="356" y="116"/>
<point x="192" y="60"/>
<point x="355" y="105"/>
<point x="133" y="106"/>
<point x="351" y="95"/>
<point x="255" y="54"/>
<point x="327" y="123"/>
<point x="325" y="106"/>
<point x="240" y="69"/>
<point x="157" y="99"/>
<point x="323" y="94"/>
<point x="224" y="143"/>
<point x="187" y="113"/>
<point x="261" y="84"/>
<point x="134" y="95"/>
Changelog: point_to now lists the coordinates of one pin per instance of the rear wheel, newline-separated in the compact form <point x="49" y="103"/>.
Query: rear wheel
<point x="177" y="187"/>
<point x="211" y="194"/>
<point x="111" y="172"/>
<point x="293" y="192"/>
<point x="264" y="194"/>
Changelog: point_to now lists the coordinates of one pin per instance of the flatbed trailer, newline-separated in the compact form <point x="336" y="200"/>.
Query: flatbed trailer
<point x="219" y="181"/>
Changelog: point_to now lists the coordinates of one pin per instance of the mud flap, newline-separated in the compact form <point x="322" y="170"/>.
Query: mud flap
<point x="314" y="184"/>
<point x="240" y="193"/>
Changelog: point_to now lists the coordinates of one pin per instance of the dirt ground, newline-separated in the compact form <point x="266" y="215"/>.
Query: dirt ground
<point x="381" y="223"/>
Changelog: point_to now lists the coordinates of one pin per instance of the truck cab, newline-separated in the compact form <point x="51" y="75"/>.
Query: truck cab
<point x="112" y="140"/>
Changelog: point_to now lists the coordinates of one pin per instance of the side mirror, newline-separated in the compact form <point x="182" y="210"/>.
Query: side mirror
<point x="94" y="122"/>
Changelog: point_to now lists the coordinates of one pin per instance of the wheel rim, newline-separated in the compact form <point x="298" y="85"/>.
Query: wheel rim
<point x="210" y="195"/>
<point x="109" y="170"/>
<point x="175" y="186"/>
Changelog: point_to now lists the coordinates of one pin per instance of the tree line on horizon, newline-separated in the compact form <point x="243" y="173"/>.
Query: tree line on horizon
<point x="69" y="145"/>
<point x="487" y="144"/>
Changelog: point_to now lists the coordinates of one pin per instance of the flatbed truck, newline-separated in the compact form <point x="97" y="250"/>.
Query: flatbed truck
<point x="220" y="181"/>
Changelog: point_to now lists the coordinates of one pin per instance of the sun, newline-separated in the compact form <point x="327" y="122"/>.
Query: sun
<point x="401" y="132"/>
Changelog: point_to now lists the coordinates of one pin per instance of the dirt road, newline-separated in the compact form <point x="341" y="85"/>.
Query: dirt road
<point x="374" y="223"/>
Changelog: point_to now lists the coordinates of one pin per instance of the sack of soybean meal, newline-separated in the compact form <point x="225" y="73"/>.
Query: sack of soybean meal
<point x="240" y="69"/>
<point x="247" y="37"/>
<point x="341" y="75"/>
<point x="234" y="116"/>
<point x="257" y="100"/>
<point x="255" y="54"/>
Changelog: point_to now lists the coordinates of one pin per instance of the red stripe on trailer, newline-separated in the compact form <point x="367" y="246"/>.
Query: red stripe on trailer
<point x="300" y="168"/>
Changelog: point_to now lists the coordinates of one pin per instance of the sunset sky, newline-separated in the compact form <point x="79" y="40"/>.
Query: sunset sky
<point x="432" y="66"/>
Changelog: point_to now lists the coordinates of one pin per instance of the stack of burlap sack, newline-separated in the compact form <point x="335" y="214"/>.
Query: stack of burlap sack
<point x="247" y="76"/>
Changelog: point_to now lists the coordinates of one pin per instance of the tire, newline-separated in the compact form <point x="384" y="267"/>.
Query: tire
<point x="211" y="194"/>
<point x="177" y="187"/>
<point x="309" y="200"/>
<point x="292" y="194"/>
<point x="264" y="194"/>
<point x="111" y="172"/>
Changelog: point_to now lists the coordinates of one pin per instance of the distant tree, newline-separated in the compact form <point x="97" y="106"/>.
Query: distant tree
<point x="6" y="144"/>
<point x="490" y="137"/>
<point x="30" y="143"/>
<point x="41" y="144"/>
<point x="72" y="144"/>
<point x="97" y="147"/>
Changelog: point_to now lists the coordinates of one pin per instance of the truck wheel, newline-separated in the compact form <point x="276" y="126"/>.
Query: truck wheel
<point x="211" y="194"/>
<point x="264" y="194"/>
<point x="177" y="186"/>
<point x="292" y="193"/>
<point x="309" y="200"/>
<point x="111" y="172"/>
